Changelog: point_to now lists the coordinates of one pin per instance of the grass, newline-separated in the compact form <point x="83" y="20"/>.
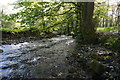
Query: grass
<point x="22" y="29"/>
<point x="106" y="29"/>
<point x="13" y="30"/>
<point x="111" y="39"/>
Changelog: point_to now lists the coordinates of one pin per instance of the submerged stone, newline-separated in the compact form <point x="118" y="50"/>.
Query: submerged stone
<point x="1" y="50"/>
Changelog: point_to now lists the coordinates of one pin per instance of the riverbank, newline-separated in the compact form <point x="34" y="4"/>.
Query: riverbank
<point x="27" y="36"/>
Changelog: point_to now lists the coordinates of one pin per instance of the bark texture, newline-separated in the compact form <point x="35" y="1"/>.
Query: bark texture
<point x="87" y="28"/>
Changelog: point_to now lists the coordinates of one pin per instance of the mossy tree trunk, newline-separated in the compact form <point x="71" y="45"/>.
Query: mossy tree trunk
<point x="87" y="28"/>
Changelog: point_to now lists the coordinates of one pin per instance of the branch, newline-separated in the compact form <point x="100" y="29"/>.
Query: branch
<point x="54" y="25"/>
<point x="62" y="13"/>
<point x="75" y="4"/>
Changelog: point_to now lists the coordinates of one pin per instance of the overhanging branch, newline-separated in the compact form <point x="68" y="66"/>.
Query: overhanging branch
<point x="62" y="13"/>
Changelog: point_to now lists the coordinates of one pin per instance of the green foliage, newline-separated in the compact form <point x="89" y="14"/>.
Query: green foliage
<point x="116" y="46"/>
<point x="104" y="15"/>
<point x="112" y="43"/>
<point x="7" y="24"/>
<point x="101" y="10"/>
<point x="10" y="30"/>
<point x="44" y="16"/>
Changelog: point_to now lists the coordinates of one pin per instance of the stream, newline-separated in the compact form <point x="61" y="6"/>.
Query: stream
<point x="46" y="58"/>
<point x="57" y="57"/>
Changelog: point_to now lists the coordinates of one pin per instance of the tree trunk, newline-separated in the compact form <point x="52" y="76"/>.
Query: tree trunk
<point x="115" y="21"/>
<point x="103" y="22"/>
<point x="87" y="28"/>
<point x="106" y="23"/>
<point x="68" y="28"/>
<point x="111" y="22"/>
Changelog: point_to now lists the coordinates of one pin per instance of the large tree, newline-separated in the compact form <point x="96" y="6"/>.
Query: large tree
<point x="87" y="28"/>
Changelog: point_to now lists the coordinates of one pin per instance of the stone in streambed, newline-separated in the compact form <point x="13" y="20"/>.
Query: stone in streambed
<point x="96" y="69"/>
<point x="1" y="50"/>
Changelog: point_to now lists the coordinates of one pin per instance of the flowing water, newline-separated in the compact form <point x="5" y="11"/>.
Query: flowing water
<point x="58" y="57"/>
<point x="44" y="58"/>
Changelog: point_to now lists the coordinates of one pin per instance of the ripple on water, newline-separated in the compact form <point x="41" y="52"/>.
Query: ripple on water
<point x="35" y="59"/>
<point x="12" y="55"/>
<point x="6" y="48"/>
<point x="5" y="72"/>
<point x="7" y="64"/>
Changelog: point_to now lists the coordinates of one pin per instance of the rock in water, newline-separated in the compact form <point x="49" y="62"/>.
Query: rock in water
<point x="96" y="69"/>
<point x="1" y="50"/>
